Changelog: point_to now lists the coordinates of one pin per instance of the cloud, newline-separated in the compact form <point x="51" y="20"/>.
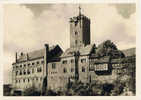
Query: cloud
<point x="28" y="27"/>
<point x="37" y="9"/>
<point x="125" y="10"/>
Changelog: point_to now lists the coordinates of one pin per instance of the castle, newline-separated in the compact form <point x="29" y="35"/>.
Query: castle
<point x="51" y="68"/>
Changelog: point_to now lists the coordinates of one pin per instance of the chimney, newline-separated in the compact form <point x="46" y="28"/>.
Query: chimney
<point x="16" y="57"/>
<point x="45" y="67"/>
<point x="46" y="52"/>
<point x="47" y="47"/>
<point x="27" y="56"/>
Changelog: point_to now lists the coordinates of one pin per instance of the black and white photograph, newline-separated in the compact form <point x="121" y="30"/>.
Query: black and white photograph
<point x="84" y="49"/>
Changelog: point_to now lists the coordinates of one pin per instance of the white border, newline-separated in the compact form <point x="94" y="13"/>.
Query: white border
<point x="68" y="1"/>
<point x="138" y="49"/>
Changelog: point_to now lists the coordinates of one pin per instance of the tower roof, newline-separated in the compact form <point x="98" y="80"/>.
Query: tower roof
<point x="80" y="16"/>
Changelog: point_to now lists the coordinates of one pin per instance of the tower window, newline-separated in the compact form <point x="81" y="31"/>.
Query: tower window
<point x="76" y="33"/>
<point x="83" y="69"/>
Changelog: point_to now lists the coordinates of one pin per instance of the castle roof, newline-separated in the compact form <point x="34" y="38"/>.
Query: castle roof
<point x="82" y="50"/>
<point x="40" y="53"/>
<point x="105" y="59"/>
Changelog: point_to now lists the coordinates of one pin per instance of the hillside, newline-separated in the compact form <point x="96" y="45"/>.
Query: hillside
<point x="129" y="52"/>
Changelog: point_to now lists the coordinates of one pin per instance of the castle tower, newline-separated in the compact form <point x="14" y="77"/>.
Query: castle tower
<point x="79" y="30"/>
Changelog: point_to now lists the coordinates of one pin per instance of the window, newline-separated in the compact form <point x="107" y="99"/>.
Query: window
<point x="83" y="60"/>
<point x="28" y="80"/>
<point x="76" y="22"/>
<point x="24" y="65"/>
<point x="83" y="69"/>
<point x="37" y="62"/>
<point x="53" y="65"/>
<point x="28" y="71"/>
<point x="16" y="81"/>
<point x="23" y="80"/>
<point x="20" y="72"/>
<point x="72" y="60"/>
<point x="29" y="64"/>
<point x="39" y="70"/>
<point x="76" y="33"/>
<point x="36" y="78"/>
<point x="41" y="79"/>
<point x="72" y="69"/>
<point x="65" y="70"/>
<point x="20" y="65"/>
<point x="16" y="66"/>
<point x="24" y="72"/>
<point x="64" y="62"/>
<point x="33" y="63"/>
<point x="42" y="62"/>
<point x="75" y="41"/>
<point x="32" y="70"/>
<point x="16" y="72"/>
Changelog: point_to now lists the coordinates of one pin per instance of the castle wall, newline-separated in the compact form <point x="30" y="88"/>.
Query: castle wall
<point x="54" y="75"/>
<point x="28" y="74"/>
<point x="83" y="68"/>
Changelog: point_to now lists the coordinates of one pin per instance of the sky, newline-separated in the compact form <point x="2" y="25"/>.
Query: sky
<point x="28" y="27"/>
